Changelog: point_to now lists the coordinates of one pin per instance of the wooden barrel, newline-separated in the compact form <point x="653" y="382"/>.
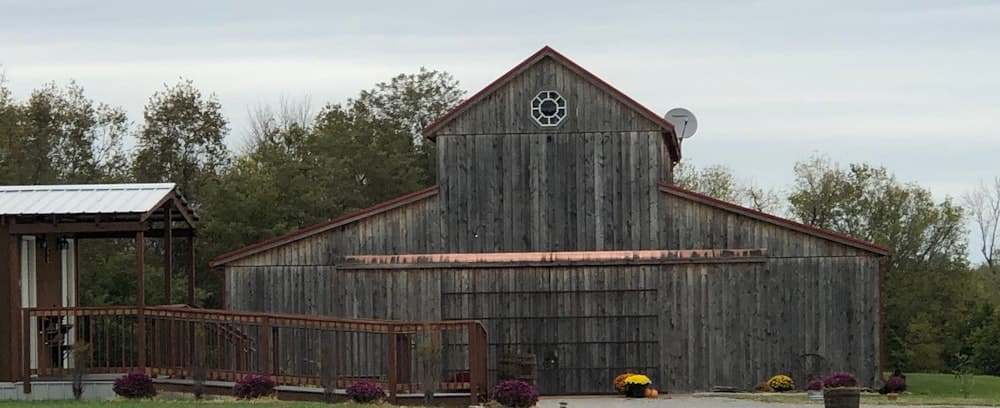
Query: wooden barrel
<point x="848" y="397"/>
<point x="517" y="366"/>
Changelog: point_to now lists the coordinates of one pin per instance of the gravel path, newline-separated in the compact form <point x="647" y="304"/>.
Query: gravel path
<point x="677" y="402"/>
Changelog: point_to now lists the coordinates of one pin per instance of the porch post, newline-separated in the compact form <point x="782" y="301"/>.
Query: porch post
<point x="190" y="271"/>
<point x="140" y="298"/>
<point x="168" y="256"/>
<point x="14" y="270"/>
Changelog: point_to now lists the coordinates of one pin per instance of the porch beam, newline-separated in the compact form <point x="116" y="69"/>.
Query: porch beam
<point x="152" y="233"/>
<point x="73" y="228"/>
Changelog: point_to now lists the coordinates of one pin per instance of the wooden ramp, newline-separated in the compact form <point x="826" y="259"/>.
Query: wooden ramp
<point x="305" y="355"/>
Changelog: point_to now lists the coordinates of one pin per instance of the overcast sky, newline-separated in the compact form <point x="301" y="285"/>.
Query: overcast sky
<point x="911" y="85"/>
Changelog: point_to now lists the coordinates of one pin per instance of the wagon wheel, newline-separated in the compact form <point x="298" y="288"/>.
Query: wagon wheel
<point x="810" y="367"/>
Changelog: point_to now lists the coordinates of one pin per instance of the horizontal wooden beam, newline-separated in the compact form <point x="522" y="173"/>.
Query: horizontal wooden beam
<point x="152" y="233"/>
<point x="567" y="258"/>
<point x="72" y="228"/>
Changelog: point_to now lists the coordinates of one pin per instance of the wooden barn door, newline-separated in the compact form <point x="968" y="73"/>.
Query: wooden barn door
<point x="585" y="324"/>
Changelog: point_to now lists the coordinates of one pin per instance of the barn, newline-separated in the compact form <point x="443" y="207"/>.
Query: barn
<point x="556" y="223"/>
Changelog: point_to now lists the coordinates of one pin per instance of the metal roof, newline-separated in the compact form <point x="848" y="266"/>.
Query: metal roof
<point x="82" y="198"/>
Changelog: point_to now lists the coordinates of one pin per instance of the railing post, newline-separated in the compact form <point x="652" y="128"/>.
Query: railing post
<point x="265" y="345"/>
<point x="393" y="364"/>
<point x="477" y="361"/>
<point x="26" y="343"/>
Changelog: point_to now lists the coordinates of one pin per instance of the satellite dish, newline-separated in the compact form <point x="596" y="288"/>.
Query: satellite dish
<point x="685" y="124"/>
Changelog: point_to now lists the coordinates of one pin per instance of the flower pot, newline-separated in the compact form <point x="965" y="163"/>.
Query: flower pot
<point x="844" y="397"/>
<point x="636" y="390"/>
<point x="892" y="396"/>
<point x="815" y="395"/>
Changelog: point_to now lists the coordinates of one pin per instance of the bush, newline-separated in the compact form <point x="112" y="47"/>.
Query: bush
<point x="840" y="379"/>
<point x="135" y="386"/>
<point x="895" y="385"/>
<point x="762" y="387"/>
<point x="366" y="391"/>
<point x="513" y="393"/>
<point x="253" y="387"/>
<point x="781" y="383"/>
<point x="815" y="386"/>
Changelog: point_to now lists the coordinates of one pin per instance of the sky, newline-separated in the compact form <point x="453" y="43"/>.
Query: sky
<point x="910" y="85"/>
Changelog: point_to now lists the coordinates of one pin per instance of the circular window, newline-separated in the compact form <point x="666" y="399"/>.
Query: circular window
<point x="548" y="108"/>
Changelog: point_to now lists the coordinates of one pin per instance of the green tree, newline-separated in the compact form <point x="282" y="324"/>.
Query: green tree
<point x="721" y="182"/>
<point x="59" y="135"/>
<point x="408" y="103"/>
<point x="927" y="280"/>
<point x="181" y="139"/>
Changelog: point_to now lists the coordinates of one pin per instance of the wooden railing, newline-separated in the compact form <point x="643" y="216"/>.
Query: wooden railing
<point x="312" y="351"/>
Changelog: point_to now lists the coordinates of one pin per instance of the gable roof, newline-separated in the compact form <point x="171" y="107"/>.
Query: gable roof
<point x="322" y="227"/>
<point x="547" y="52"/>
<point x="82" y="199"/>
<point x="775" y="220"/>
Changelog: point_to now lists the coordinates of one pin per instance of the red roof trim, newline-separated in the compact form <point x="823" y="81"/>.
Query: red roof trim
<point x="321" y="227"/>
<point x="784" y="222"/>
<point x="547" y="51"/>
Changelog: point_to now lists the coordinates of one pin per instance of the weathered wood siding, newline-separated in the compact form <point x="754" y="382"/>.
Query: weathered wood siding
<point x="412" y="228"/>
<point x="506" y="110"/>
<point x="549" y="191"/>
<point x="689" y="326"/>
<point x="689" y="224"/>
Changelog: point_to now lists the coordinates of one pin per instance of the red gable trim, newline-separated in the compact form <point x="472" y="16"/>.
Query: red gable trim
<point x="668" y="129"/>
<point x="322" y="227"/>
<point x="782" y="222"/>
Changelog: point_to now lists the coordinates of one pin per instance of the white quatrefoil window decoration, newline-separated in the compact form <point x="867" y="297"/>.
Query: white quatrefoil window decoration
<point x="548" y="108"/>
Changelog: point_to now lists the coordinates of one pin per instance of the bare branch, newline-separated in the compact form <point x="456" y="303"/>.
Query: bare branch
<point x="983" y="205"/>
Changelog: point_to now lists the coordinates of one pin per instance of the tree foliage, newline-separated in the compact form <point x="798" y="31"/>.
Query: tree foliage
<point x="929" y="313"/>
<point x="721" y="182"/>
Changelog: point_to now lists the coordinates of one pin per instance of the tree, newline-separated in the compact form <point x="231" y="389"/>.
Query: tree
<point x="61" y="136"/>
<point x="927" y="281"/>
<point x="408" y="103"/>
<point x="983" y="206"/>
<point x="182" y="139"/>
<point x="720" y="182"/>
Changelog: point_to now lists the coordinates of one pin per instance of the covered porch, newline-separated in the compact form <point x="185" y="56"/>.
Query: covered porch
<point x="41" y="228"/>
<point x="52" y="336"/>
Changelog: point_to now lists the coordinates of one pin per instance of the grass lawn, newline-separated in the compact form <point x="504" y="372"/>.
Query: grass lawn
<point x="924" y="389"/>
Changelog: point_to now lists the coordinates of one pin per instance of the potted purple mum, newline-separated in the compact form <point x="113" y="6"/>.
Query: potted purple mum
<point x="840" y="390"/>
<point x="815" y="390"/>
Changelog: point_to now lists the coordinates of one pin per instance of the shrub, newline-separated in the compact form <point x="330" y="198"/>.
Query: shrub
<point x="135" y="386"/>
<point x="895" y="385"/>
<point x="781" y="383"/>
<point x="840" y="379"/>
<point x="815" y="386"/>
<point x="514" y="393"/>
<point x="365" y="391"/>
<point x="763" y="387"/>
<point x="619" y="383"/>
<point x="253" y="387"/>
